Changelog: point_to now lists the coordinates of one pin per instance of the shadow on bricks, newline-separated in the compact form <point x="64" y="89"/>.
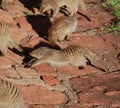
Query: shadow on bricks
<point x="40" y="24"/>
<point x="31" y="4"/>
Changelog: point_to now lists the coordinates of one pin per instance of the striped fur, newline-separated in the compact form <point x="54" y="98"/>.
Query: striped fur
<point x="74" y="55"/>
<point x="6" y="38"/>
<point x="54" y="5"/>
<point x="62" y="28"/>
<point x="10" y="96"/>
<point x="5" y="2"/>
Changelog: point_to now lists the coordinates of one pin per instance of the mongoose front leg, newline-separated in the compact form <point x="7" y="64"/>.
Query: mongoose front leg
<point x="55" y="10"/>
<point x="44" y="59"/>
<point x="38" y="61"/>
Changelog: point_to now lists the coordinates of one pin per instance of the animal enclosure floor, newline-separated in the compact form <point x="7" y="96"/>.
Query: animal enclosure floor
<point x="68" y="86"/>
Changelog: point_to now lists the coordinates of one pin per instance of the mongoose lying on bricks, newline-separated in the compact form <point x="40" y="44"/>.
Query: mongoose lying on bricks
<point x="74" y="55"/>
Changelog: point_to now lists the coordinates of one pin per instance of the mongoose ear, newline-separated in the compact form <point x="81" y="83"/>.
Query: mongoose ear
<point x="87" y="17"/>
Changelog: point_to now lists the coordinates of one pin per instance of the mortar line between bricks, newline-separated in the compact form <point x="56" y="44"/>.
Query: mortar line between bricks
<point x="68" y="90"/>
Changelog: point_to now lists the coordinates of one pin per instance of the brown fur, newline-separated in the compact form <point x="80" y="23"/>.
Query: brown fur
<point x="5" y="2"/>
<point x="74" y="55"/>
<point x="54" y="5"/>
<point x="10" y="96"/>
<point x="6" y="38"/>
<point x="62" y="28"/>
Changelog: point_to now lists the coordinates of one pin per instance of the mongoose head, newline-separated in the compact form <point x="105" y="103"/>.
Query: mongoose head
<point x="39" y="52"/>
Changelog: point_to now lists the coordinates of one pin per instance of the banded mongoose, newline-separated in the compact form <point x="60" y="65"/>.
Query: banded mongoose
<point x="54" y="6"/>
<point x="74" y="55"/>
<point x="10" y="96"/>
<point x="5" y="2"/>
<point x="6" y="38"/>
<point x="62" y="28"/>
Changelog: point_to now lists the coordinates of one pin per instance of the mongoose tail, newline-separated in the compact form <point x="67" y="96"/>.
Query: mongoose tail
<point x="95" y="61"/>
<point x="84" y="8"/>
<point x="86" y="16"/>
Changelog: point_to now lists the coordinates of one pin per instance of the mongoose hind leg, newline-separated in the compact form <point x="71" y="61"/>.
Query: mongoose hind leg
<point x="4" y="50"/>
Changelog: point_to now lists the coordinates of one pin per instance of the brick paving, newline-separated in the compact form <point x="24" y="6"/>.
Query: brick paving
<point x="64" y="87"/>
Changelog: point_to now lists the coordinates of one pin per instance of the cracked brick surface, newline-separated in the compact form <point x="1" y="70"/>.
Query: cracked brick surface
<point x="45" y="86"/>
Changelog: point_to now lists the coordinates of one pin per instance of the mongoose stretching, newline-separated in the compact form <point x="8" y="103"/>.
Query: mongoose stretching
<point x="4" y="2"/>
<point x="54" y="6"/>
<point x="6" y="38"/>
<point x="62" y="28"/>
<point x="74" y="55"/>
<point x="10" y="96"/>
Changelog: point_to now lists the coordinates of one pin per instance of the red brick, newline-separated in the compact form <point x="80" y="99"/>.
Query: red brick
<point x="4" y="16"/>
<point x="42" y="106"/>
<point x="35" y="40"/>
<point x="51" y="80"/>
<point x="92" y="88"/>
<point x="10" y="73"/>
<point x="96" y="22"/>
<point x="26" y="81"/>
<point x="24" y="25"/>
<point x="93" y="1"/>
<point x="39" y="95"/>
<point x="18" y="34"/>
<point x="105" y="82"/>
<point x="85" y="25"/>
<point x="91" y="41"/>
<point x="97" y="88"/>
<point x="98" y="98"/>
<point x="27" y="72"/>
<point x="5" y="63"/>
<point x="15" y="57"/>
<point x="45" y="69"/>
<point x="73" y="70"/>
<point x="105" y="18"/>
<point x="79" y="106"/>
<point x="113" y="93"/>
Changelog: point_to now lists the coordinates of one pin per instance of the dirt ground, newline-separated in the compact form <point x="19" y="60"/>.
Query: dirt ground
<point x="64" y="87"/>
